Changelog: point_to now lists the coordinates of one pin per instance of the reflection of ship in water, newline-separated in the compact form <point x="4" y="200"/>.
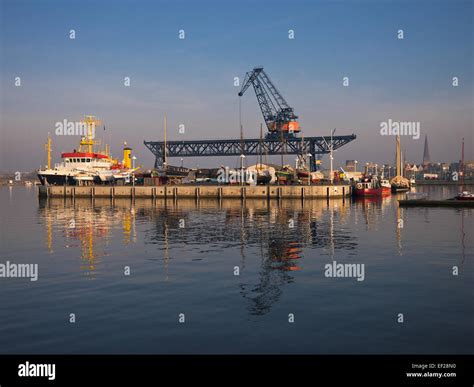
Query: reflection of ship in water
<point x="278" y="232"/>
<point x="78" y="224"/>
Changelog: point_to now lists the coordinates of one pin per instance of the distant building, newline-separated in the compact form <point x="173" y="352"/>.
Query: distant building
<point x="412" y="171"/>
<point x="469" y="169"/>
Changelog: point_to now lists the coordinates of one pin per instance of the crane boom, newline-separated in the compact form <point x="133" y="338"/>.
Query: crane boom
<point x="278" y="115"/>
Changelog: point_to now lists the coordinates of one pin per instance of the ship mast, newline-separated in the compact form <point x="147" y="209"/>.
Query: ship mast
<point x="48" y="150"/>
<point x="88" y="141"/>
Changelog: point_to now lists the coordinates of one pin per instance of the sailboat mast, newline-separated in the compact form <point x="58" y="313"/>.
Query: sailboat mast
<point x="398" y="156"/>
<point x="164" y="153"/>
<point x="401" y="163"/>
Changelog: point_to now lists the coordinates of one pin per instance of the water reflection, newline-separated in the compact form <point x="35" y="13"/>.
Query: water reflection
<point x="86" y="227"/>
<point x="375" y="209"/>
<point x="282" y="229"/>
<point x="278" y="233"/>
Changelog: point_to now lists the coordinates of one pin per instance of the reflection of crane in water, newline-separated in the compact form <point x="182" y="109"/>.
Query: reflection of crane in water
<point x="281" y="249"/>
<point x="278" y="258"/>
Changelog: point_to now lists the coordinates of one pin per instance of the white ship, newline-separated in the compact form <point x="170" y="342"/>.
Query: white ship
<point x="86" y="166"/>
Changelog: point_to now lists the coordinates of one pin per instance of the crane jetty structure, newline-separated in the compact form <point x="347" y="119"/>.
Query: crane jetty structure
<point x="281" y="138"/>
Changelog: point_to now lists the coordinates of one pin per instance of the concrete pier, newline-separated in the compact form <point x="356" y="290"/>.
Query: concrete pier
<point x="199" y="191"/>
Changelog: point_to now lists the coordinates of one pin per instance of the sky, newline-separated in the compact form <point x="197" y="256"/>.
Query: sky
<point x="192" y="79"/>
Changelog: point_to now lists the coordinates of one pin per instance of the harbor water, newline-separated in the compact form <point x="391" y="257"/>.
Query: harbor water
<point x="230" y="276"/>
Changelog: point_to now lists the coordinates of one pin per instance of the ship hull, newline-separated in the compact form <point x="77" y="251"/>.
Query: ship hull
<point x="56" y="179"/>
<point x="396" y="189"/>
<point x="368" y="192"/>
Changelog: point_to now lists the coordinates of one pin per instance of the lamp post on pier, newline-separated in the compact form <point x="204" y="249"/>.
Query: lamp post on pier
<point x="133" y="172"/>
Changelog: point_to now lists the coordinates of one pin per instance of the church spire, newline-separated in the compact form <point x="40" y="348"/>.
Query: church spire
<point x="426" y="153"/>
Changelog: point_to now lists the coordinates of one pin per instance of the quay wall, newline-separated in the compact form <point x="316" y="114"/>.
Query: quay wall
<point x="199" y="191"/>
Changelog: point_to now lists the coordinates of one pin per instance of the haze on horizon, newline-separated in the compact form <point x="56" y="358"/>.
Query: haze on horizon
<point x="192" y="79"/>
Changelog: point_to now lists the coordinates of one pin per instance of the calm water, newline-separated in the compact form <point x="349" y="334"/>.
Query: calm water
<point x="182" y="257"/>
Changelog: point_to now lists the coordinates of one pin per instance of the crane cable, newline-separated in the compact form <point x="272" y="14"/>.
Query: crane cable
<point x="241" y="128"/>
<point x="240" y="113"/>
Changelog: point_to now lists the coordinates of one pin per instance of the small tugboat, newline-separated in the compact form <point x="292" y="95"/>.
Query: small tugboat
<point x="368" y="186"/>
<point x="85" y="165"/>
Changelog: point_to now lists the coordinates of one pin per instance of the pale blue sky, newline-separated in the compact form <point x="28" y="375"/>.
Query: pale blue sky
<point x="192" y="79"/>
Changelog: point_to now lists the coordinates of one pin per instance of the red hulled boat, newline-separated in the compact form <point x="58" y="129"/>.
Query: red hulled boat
<point x="367" y="186"/>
